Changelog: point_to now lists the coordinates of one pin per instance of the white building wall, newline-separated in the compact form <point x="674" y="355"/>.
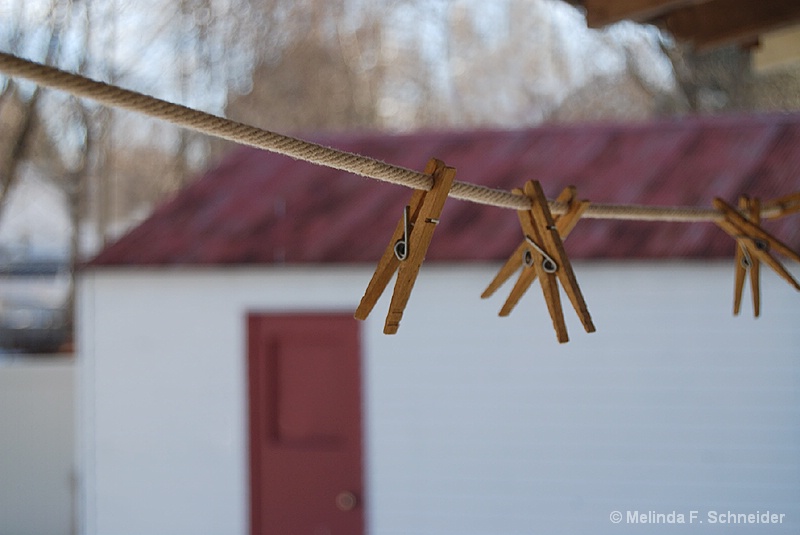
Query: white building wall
<point x="37" y="445"/>
<point x="474" y="424"/>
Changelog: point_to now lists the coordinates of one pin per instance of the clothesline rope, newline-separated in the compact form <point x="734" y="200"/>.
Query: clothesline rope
<point x="113" y="96"/>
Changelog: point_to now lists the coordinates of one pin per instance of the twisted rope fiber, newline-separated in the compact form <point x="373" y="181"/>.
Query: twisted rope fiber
<point x="221" y="127"/>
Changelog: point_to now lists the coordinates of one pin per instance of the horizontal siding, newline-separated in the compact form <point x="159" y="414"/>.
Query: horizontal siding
<point x="474" y="424"/>
<point x="672" y="405"/>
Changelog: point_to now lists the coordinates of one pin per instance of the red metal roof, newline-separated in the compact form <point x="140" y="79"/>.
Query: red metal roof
<point x="262" y="208"/>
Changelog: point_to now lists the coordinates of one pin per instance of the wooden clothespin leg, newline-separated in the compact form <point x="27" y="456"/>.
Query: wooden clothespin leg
<point x="754" y="246"/>
<point x="782" y="206"/>
<point x="542" y="256"/>
<point x="408" y="246"/>
<point x="747" y="262"/>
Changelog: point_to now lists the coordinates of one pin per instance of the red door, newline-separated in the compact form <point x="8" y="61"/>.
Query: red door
<point x="305" y="425"/>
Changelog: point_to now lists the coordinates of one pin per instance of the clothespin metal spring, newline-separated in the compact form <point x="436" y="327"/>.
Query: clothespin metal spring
<point x="401" y="245"/>
<point x="747" y="262"/>
<point x="548" y="264"/>
<point x="761" y="245"/>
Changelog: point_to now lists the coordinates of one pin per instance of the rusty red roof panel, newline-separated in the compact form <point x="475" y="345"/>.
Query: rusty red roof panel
<point x="261" y="208"/>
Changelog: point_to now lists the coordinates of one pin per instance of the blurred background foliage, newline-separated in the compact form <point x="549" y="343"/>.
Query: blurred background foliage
<point x="308" y="66"/>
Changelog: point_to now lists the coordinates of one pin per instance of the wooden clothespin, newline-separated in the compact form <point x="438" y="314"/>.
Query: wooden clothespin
<point x="541" y="254"/>
<point x="408" y="246"/>
<point x="564" y="223"/>
<point x="782" y="206"/>
<point x="754" y="246"/>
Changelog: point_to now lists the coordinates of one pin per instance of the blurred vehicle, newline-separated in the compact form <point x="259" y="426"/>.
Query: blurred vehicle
<point x="33" y="305"/>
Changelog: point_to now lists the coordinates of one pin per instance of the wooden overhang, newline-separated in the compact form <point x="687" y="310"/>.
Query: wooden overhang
<point x="704" y="23"/>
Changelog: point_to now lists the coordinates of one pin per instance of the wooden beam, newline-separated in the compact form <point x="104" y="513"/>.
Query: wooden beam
<point x="602" y="12"/>
<point x="722" y="22"/>
<point x="776" y="49"/>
